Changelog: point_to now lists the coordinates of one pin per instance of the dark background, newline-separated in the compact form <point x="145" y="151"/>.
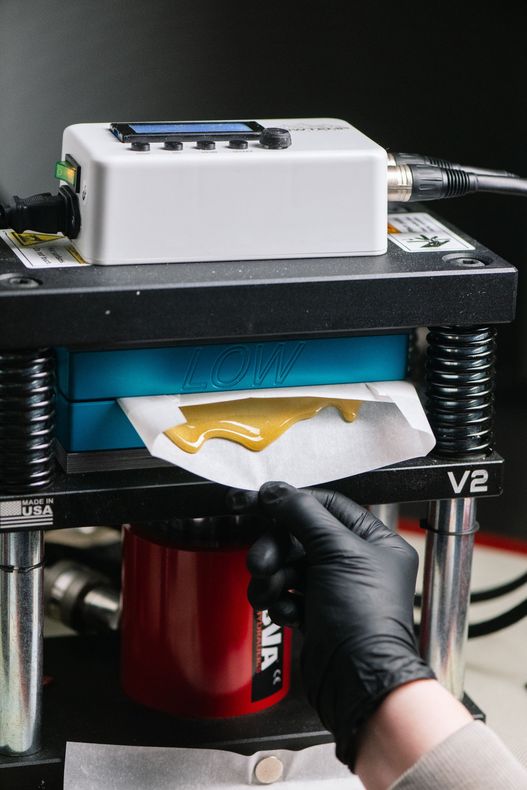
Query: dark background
<point x="442" y="79"/>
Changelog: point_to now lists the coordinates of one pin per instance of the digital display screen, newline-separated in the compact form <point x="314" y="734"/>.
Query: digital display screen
<point x="235" y="127"/>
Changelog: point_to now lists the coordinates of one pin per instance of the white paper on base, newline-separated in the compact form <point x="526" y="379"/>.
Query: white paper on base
<point x="391" y="427"/>
<point x="92" y="766"/>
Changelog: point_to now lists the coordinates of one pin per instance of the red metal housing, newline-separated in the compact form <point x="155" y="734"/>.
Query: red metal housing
<point x="191" y="643"/>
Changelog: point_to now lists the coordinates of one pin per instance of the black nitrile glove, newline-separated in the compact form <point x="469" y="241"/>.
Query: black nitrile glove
<point x="356" y="580"/>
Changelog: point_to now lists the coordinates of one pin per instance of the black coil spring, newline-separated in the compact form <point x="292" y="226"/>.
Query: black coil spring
<point x="460" y="389"/>
<point x="27" y="420"/>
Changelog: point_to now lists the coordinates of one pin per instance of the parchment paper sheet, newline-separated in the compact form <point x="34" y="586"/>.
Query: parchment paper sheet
<point x="391" y="427"/>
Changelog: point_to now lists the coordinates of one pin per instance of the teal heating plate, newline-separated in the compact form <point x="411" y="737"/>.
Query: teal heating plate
<point x="89" y="382"/>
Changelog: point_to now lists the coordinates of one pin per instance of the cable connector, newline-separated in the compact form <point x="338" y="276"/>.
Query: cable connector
<point x="44" y="212"/>
<point x="400" y="158"/>
<point x="427" y="182"/>
<point x="409" y="183"/>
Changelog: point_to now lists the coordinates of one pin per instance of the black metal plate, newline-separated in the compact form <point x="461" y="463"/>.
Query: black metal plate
<point x="194" y="302"/>
<point x="149" y="494"/>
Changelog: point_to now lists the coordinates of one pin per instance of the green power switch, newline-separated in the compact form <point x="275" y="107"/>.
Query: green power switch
<point x="69" y="171"/>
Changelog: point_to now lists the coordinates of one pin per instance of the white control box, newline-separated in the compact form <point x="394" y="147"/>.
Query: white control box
<point x="220" y="190"/>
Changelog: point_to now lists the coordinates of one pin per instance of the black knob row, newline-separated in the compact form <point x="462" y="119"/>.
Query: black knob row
<point x="272" y="137"/>
<point x="177" y="145"/>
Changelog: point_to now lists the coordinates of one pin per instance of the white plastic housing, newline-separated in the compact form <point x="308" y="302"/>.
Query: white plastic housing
<point x="323" y="196"/>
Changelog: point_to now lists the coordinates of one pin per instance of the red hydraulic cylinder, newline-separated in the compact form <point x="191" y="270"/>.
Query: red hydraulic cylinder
<point x="192" y="645"/>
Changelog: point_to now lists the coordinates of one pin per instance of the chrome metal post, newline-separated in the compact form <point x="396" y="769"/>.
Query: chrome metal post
<point x="21" y="644"/>
<point x="446" y="589"/>
<point x="387" y="513"/>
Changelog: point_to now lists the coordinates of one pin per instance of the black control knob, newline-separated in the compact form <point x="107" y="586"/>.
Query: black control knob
<point x="239" y="145"/>
<point x="206" y="145"/>
<point x="275" y="138"/>
<point x="173" y="145"/>
<point x="140" y="145"/>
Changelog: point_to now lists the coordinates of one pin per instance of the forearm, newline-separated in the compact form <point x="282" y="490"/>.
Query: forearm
<point x="411" y="721"/>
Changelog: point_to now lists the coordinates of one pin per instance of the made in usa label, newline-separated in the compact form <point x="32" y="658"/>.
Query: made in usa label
<point x="35" y="512"/>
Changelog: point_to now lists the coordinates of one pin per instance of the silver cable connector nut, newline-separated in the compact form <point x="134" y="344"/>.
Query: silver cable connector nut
<point x="400" y="183"/>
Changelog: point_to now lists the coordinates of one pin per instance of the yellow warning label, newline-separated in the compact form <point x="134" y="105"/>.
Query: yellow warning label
<point x="42" y="250"/>
<point x="28" y="239"/>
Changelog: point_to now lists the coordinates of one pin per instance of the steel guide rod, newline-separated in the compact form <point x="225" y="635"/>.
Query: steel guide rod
<point x="388" y="513"/>
<point x="446" y="589"/>
<point x="21" y="640"/>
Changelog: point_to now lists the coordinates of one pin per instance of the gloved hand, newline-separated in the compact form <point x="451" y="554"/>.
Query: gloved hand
<point x="357" y="582"/>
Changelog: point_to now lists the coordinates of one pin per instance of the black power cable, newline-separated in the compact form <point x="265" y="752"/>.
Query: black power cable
<point x="490" y="593"/>
<point x="45" y="212"/>
<point x="498" y="623"/>
<point x="504" y="620"/>
<point x="409" y="183"/>
<point x="400" y="158"/>
<point x="499" y="184"/>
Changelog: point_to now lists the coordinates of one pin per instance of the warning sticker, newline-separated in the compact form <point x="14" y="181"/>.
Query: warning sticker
<point x="420" y="232"/>
<point x="42" y="250"/>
